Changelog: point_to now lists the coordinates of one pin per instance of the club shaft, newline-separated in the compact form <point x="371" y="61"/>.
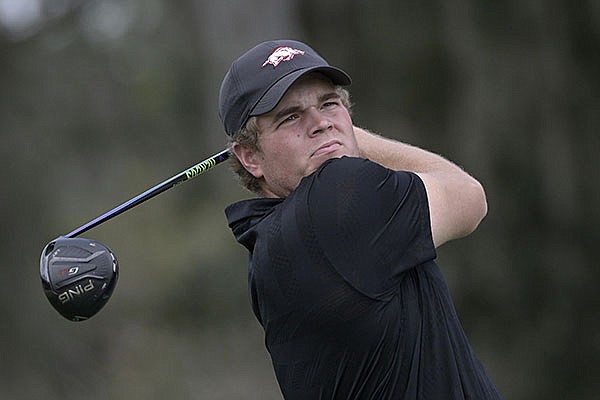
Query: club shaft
<point x="181" y="177"/>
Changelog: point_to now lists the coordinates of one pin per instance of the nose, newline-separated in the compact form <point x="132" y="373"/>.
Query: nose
<point x="319" y="123"/>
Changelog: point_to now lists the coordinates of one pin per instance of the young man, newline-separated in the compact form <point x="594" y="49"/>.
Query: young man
<point x="342" y="238"/>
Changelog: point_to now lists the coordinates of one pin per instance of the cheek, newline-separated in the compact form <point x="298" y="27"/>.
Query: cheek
<point x="346" y="117"/>
<point x="276" y="157"/>
<point x="287" y="145"/>
<point x="341" y="119"/>
<point x="287" y="161"/>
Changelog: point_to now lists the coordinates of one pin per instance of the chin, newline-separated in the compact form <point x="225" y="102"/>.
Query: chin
<point x="342" y="153"/>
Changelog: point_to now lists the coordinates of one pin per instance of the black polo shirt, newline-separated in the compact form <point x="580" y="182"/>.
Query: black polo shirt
<point x="343" y="280"/>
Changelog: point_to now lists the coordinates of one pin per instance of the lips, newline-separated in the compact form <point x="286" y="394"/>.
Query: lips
<point x="327" y="148"/>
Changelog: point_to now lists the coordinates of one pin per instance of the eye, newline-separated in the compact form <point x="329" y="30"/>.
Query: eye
<point x="331" y="103"/>
<point x="289" y="118"/>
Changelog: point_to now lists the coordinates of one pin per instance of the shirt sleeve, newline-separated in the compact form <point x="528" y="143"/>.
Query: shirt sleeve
<point x="371" y="222"/>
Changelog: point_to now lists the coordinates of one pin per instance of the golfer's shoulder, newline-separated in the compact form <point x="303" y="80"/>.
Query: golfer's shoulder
<point x="347" y="168"/>
<point x="351" y="171"/>
<point x="356" y="183"/>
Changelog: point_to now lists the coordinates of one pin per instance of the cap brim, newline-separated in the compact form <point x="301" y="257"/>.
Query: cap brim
<point x="276" y="92"/>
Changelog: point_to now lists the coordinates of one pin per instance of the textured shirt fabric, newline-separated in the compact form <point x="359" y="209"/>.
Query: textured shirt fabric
<point x="343" y="280"/>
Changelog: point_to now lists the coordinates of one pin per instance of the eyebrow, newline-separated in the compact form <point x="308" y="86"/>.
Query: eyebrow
<point x="292" y="109"/>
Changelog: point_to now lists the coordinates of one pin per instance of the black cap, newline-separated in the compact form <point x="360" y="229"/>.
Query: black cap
<point x="257" y="81"/>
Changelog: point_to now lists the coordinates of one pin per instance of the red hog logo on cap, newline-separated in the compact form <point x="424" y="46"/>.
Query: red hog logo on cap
<point x="282" y="54"/>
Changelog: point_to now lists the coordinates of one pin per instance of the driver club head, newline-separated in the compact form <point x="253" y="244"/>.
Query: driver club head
<point x="78" y="276"/>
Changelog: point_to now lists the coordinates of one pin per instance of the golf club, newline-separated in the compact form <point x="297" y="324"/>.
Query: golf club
<point x="79" y="275"/>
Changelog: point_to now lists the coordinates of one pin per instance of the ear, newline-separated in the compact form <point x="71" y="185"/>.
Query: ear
<point x="250" y="159"/>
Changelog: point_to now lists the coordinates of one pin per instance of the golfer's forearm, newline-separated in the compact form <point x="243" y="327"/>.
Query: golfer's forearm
<point x="401" y="156"/>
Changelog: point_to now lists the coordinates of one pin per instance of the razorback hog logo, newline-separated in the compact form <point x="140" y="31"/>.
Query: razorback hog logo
<point x="281" y="54"/>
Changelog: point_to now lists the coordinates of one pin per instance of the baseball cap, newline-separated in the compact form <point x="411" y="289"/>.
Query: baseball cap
<point x="256" y="82"/>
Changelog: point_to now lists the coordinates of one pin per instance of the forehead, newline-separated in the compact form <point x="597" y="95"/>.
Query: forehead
<point x="306" y="88"/>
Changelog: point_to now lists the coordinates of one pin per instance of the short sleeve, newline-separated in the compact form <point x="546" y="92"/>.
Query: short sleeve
<point x="371" y="222"/>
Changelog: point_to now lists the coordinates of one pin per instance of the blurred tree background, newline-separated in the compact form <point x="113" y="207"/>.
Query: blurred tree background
<point x="102" y="99"/>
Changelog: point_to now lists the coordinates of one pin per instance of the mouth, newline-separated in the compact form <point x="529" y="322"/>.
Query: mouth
<point x="327" y="148"/>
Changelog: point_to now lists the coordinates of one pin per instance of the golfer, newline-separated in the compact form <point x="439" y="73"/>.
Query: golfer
<point x="342" y="238"/>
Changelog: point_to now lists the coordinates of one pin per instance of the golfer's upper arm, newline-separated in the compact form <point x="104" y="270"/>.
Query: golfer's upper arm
<point x="457" y="204"/>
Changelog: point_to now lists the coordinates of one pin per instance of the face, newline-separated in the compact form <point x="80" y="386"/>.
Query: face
<point x="309" y="126"/>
